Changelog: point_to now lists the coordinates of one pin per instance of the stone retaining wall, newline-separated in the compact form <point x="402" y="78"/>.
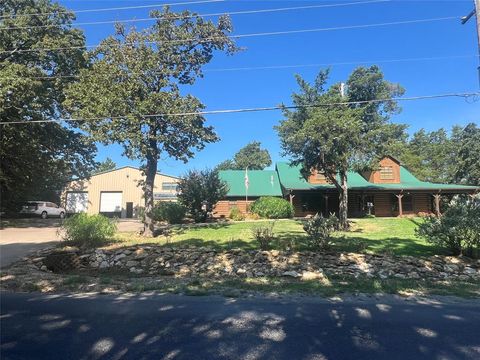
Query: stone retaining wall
<point x="209" y="262"/>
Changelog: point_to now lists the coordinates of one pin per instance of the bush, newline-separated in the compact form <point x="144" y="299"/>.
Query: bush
<point x="171" y="212"/>
<point x="264" y="235"/>
<point x="236" y="214"/>
<point x="458" y="229"/>
<point x="251" y="216"/>
<point x="199" y="191"/>
<point x="320" y="228"/>
<point x="272" y="208"/>
<point x="87" y="231"/>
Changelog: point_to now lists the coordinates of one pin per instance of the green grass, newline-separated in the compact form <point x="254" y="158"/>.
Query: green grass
<point x="331" y="286"/>
<point x="395" y="236"/>
<point x="390" y="235"/>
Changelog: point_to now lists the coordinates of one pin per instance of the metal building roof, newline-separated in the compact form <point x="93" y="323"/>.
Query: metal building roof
<point x="261" y="182"/>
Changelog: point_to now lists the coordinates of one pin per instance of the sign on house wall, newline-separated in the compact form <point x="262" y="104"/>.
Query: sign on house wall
<point x="164" y="196"/>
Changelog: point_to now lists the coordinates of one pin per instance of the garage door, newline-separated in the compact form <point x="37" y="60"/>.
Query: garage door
<point x="110" y="202"/>
<point x="77" y="202"/>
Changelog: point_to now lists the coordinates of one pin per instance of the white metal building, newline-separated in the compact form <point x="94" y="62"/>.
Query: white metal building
<point x="115" y="192"/>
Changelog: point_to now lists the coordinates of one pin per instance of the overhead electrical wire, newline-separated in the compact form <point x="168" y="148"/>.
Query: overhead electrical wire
<point x="110" y="9"/>
<point x="241" y="36"/>
<point x="279" y="67"/>
<point x="465" y="95"/>
<point x="242" y="12"/>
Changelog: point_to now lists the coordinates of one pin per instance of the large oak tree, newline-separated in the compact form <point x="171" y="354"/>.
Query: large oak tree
<point x="136" y="84"/>
<point x="36" y="159"/>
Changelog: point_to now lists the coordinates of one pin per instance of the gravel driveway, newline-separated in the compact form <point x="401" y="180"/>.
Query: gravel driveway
<point x="18" y="237"/>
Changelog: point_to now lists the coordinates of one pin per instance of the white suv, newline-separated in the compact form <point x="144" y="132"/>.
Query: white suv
<point x="43" y="209"/>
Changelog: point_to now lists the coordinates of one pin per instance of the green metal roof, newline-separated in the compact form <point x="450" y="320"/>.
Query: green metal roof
<point x="291" y="179"/>
<point x="261" y="182"/>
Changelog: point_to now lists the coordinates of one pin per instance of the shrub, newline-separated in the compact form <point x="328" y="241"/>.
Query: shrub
<point x="319" y="229"/>
<point x="171" y="212"/>
<point x="458" y="229"/>
<point x="199" y="191"/>
<point x="87" y="231"/>
<point x="251" y="216"/>
<point x="272" y="208"/>
<point x="236" y="214"/>
<point x="264" y="235"/>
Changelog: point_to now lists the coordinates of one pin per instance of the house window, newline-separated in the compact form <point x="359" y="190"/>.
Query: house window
<point x="313" y="203"/>
<point x="169" y="186"/>
<point x="319" y="176"/>
<point x="407" y="203"/>
<point x="386" y="173"/>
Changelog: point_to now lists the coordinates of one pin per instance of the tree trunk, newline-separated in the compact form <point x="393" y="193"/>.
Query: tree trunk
<point x="343" y="203"/>
<point x="150" y="172"/>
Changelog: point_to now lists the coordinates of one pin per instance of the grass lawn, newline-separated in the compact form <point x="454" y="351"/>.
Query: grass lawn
<point x="376" y="235"/>
<point x="334" y="285"/>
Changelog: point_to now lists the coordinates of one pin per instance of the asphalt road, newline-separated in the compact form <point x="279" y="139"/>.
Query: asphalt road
<point x="19" y="237"/>
<point x="35" y="326"/>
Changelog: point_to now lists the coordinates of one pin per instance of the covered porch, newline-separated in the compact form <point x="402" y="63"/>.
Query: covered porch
<point x="381" y="203"/>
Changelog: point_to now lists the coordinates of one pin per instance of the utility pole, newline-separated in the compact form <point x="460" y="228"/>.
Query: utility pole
<point x="342" y="89"/>
<point x="476" y="12"/>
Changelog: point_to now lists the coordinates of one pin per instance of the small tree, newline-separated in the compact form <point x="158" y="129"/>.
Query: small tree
<point x="199" y="191"/>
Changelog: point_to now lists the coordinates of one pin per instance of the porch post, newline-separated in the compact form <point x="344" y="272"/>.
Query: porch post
<point x="437" y="204"/>
<point x="291" y="196"/>
<point x="326" y="204"/>
<point x="400" y="208"/>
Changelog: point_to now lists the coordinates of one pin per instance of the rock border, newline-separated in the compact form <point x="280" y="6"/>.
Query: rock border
<point x="193" y="261"/>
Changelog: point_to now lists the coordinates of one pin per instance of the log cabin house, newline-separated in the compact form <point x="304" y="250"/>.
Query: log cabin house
<point x="388" y="191"/>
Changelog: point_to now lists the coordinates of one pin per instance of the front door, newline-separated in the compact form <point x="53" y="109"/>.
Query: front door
<point x="129" y="210"/>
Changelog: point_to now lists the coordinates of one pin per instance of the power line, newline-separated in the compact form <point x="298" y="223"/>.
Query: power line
<point x="240" y="36"/>
<point x="279" y="67"/>
<point x="243" y="12"/>
<point x="274" y="67"/>
<point x="110" y="9"/>
<point x="465" y="95"/>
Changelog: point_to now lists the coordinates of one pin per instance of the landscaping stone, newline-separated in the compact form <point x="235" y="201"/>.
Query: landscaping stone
<point x="305" y="265"/>
<point x="292" y="274"/>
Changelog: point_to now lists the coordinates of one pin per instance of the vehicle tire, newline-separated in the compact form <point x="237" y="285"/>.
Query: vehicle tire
<point x="44" y="215"/>
<point x="62" y="215"/>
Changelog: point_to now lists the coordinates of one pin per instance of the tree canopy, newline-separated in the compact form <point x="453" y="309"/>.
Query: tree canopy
<point x="251" y="156"/>
<point x="106" y="165"/>
<point x="136" y="85"/>
<point x="36" y="159"/>
<point x="443" y="157"/>
<point x="331" y="139"/>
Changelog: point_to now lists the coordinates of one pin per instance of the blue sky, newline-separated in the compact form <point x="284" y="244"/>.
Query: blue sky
<point x="258" y="88"/>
